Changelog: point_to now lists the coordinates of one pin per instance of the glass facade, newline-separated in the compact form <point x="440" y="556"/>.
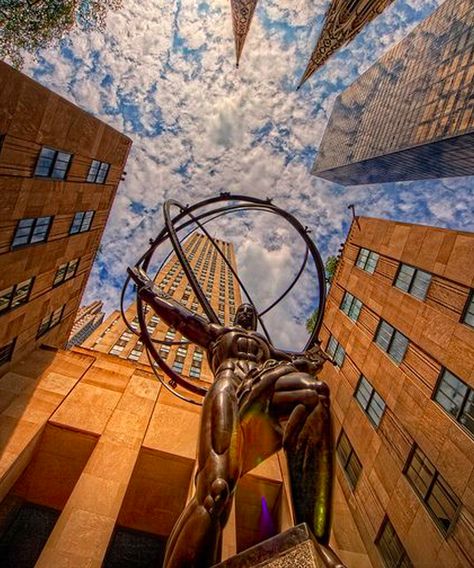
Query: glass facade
<point x="409" y="116"/>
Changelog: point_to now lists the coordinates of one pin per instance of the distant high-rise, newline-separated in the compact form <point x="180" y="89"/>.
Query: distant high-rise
<point x="87" y="320"/>
<point x="59" y="171"/>
<point x="217" y="282"/>
<point x="411" y="115"/>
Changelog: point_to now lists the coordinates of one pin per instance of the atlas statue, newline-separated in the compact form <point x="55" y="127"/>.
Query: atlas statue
<point x="262" y="399"/>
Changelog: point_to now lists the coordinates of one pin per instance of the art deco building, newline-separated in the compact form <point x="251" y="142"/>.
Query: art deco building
<point x="409" y="116"/>
<point x="87" y="320"/>
<point x="59" y="171"/>
<point x="400" y="327"/>
<point x="98" y="458"/>
<point x="344" y="20"/>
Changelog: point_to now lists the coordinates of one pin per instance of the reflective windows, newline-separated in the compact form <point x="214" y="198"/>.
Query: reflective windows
<point x="31" y="231"/>
<point x="441" y="502"/>
<point x="348" y="459"/>
<point x="367" y="260"/>
<point x="82" y="222"/>
<point x="370" y="400"/>
<point x="6" y="351"/>
<point x="351" y="306"/>
<point x="98" y="172"/>
<point x="15" y="295"/>
<point x="50" y="321"/>
<point x="468" y="315"/>
<point x="52" y="163"/>
<point x="413" y="281"/>
<point x="66" y="271"/>
<point x="336" y="351"/>
<point x="391" y="341"/>
<point x="391" y="548"/>
<point x="457" y="398"/>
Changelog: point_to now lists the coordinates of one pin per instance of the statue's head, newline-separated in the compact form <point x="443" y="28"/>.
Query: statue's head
<point x="246" y="317"/>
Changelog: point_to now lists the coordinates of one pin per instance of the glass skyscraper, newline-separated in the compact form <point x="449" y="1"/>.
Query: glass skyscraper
<point x="411" y="115"/>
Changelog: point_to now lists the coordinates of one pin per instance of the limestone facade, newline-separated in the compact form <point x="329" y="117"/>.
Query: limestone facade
<point x="399" y="323"/>
<point x="59" y="171"/>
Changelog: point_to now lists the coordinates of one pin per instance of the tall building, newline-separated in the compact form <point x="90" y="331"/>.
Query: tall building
<point x="218" y="283"/>
<point x="344" y="20"/>
<point x="59" y="171"/>
<point x="87" y="320"/>
<point x="409" y="116"/>
<point x="400" y="327"/>
<point x="97" y="458"/>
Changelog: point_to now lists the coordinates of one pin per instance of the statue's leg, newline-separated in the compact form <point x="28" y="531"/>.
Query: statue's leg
<point x="304" y="402"/>
<point x="196" y="537"/>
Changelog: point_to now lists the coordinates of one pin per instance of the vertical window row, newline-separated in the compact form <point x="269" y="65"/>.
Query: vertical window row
<point x="391" y="548"/>
<point x="336" y="351"/>
<point x="50" y="321"/>
<point x="413" y="281"/>
<point x="15" y="295"/>
<point x="82" y="222"/>
<point x="367" y="260"/>
<point x="351" y="306"/>
<point x="66" y="271"/>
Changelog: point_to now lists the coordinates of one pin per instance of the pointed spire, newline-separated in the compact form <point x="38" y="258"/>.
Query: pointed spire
<point x="344" y="20"/>
<point x="242" y="12"/>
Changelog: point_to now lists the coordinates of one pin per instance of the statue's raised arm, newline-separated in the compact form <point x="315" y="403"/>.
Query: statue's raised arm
<point x="190" y="325"/>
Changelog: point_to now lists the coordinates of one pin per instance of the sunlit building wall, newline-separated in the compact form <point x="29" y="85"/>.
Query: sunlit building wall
<point x="399" y="325"/>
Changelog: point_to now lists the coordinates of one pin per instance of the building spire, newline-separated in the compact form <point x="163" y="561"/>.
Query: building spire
<point x="344" y="20"/>
<point x="242" y="12"/>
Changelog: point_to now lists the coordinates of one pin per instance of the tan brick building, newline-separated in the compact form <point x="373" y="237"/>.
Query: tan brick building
<point x="400" y="326"/>
<point x="59" y="171"/>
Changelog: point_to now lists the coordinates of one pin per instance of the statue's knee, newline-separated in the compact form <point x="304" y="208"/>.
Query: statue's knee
<point x="322" y="389"/>
<point x="216" y="501"/>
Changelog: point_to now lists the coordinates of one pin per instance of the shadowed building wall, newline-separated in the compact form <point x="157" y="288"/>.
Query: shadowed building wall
<point x="400" y="327"/>
<point x="411" y="115"/>
<point x="59" y="171"/>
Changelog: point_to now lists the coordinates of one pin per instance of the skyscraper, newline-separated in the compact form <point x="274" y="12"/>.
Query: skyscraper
<point x="88" y="319"/>
<point x="399" y="325"/>
<point x="217" y="282"/>
<point x="59" y="171"/>
<point x="409" y="116"/>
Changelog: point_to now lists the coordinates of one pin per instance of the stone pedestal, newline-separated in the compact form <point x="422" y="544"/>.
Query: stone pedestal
<point x="294" y="548"/>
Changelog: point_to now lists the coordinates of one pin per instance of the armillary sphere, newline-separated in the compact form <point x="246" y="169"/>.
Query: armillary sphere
<point x="190" y="218"/>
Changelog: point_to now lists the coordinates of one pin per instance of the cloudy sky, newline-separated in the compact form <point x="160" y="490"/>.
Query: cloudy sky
<point x="163" y="73"/>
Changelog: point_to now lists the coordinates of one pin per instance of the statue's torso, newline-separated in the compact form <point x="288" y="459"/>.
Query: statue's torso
<point x="245" y="350"/>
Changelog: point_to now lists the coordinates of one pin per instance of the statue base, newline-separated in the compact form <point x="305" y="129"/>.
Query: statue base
<point x="294" y="548"/>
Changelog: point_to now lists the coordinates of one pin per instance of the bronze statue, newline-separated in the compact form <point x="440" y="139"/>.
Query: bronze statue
<point x="261" y="399"/>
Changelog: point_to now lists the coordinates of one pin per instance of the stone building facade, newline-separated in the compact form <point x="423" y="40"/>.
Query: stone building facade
<point x="87" y="320"/>
<point x="410" y="115"/>
<point x="400" y="327"/>
<point x="59" y="171"/>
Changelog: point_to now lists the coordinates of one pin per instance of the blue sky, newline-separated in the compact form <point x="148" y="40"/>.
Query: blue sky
<point x="164" y="74"/>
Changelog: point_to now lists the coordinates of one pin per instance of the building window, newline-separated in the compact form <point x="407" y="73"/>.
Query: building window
<point x="6" y="352"/>
<point x="82" y="222"/>
<point x="468" y="315"/>
<point x="66" y="271"/>
<point x="117" y="349"/>
<point x="98" y="172"/>
<point x="457" y="398"/>
<point x="52" y="163"/>
<point x="136" y="351"/>
<point x="367" y="260"/>
<point x="391" y="341"/>
<point x="351" y="306"/>
<point x="370" y="400"/>
<point x="413" y="280"/>
<point x="391" y="548"/>
<point x="164" y="351"/>
<point x="31" y="231"/>
<point x="348" y="459"/>
<point x="442" y="504"/>
<point x="50" y="321"/>
<point x="336" y="351"/>
<point x="15" y="295"/>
